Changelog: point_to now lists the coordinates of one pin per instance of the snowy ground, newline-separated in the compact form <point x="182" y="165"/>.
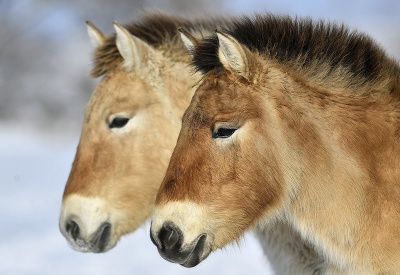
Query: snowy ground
<point x="33" y="171"/>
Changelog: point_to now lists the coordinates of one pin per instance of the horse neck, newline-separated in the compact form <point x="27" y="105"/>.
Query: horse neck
<point x="336" y="144"/>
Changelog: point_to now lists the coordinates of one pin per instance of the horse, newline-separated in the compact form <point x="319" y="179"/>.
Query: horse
<point x="130" y="127"/>
<point x="297" y="123"/>
<point x="120" y="160"/>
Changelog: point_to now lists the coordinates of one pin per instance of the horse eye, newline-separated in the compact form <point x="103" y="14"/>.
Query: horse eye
<point x="223" y="132"/>
<point x="118" y="122"/>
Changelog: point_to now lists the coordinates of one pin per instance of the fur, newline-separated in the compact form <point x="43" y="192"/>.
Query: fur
<point x="122" y="168"/>
<point x="324" y="52"/>
<point x="159" y="31"/>
<point x="316" y="147"/>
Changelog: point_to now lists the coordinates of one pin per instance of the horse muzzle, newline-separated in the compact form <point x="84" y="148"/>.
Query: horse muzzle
<point x="170" y="244"/>
<point x="97" y="242"/>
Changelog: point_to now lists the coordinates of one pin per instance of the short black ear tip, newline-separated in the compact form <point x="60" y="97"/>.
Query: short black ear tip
<point x="185" y="32"/>
<point x="188" y="36"/>
<point x="223" y="34"/>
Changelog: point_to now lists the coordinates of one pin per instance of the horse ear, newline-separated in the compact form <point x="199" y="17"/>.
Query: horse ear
<point x="188" y="39"/>
<point x="96" y="36"/>
<point x="232" y="54"/>
<point x="132" y="48"/>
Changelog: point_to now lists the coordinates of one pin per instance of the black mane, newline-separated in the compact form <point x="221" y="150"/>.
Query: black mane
<point x="158" y="30"/>
<point x="299" y="42"/>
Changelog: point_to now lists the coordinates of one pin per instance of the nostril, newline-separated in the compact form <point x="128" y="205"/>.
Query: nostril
<point x="104" y="231"/>
<point x="73" y="229"/>
<point x="170" y="236"/>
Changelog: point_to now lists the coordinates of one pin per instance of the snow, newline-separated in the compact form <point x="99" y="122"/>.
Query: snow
<point x="34" y="169"/>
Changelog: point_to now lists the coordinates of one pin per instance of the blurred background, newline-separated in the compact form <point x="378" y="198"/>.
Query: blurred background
<point x="45" y="57"/>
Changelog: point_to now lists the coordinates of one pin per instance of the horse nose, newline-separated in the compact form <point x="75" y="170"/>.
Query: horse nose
<point x="72" y="229"/>
<point x="169" y="237"/>
<point x="169" y="240"/>
<point x="103" y="237"/>
<point x="81" y="240"/>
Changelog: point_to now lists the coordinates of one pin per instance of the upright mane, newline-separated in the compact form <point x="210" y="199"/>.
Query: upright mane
<point x="158" y="30"/>
<point x="323" y="51"/>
